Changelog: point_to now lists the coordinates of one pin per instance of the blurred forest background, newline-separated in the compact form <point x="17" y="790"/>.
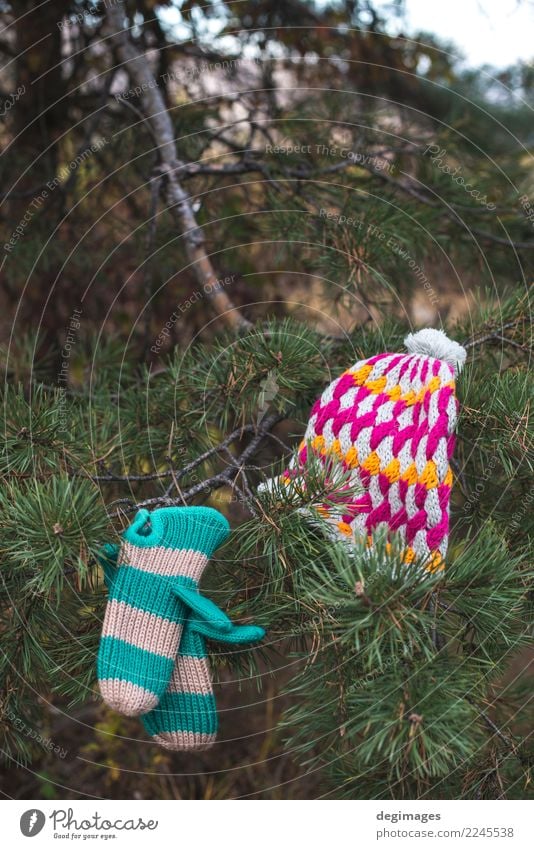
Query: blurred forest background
<point x="208" y="210"/>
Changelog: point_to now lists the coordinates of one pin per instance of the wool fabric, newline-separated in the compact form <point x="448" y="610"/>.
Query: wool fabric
<point x="186" y="717"/>
<point x="144" y="616"/>
<point x="389" y="422"/>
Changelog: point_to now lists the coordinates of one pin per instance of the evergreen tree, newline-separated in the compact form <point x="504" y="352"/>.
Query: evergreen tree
<point x="396" y="672"/>
<point x="402" y="684"/>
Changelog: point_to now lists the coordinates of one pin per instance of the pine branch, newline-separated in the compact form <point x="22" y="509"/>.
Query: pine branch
<point x="448" y="211"/>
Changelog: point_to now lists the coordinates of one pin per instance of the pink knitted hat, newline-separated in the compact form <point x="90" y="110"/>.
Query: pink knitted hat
<point x="390" y="420"/>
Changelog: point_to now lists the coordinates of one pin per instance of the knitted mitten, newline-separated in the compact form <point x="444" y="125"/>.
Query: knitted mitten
<point x="161" y="552"/>
<point x="186" y="717"/>
<point x="389" y="422"/>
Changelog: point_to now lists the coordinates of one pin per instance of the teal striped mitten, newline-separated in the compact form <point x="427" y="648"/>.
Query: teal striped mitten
<point x="186" y="717"/>
<point x="161" y="552"/>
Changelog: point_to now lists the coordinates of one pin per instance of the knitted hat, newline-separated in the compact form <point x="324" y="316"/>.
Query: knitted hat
<point x="390" y="420"/>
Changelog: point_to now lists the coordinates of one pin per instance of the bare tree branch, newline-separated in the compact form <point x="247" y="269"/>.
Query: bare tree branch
<point x="237" y="467"/>
<point x="497" y="335"/>
<point x="158" y="118"/>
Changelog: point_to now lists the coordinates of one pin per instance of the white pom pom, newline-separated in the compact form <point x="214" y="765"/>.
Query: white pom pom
<point x="434" y="343"/>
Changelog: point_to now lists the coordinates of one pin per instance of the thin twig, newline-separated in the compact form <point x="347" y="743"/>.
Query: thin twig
<point x="496" y="334"/>
<point x="490" y="723"/>
<point x="512" y="342"/>
<point x="223" y="478"/>
<point x="236" y="434"/>
<point x="509" y="742"/>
